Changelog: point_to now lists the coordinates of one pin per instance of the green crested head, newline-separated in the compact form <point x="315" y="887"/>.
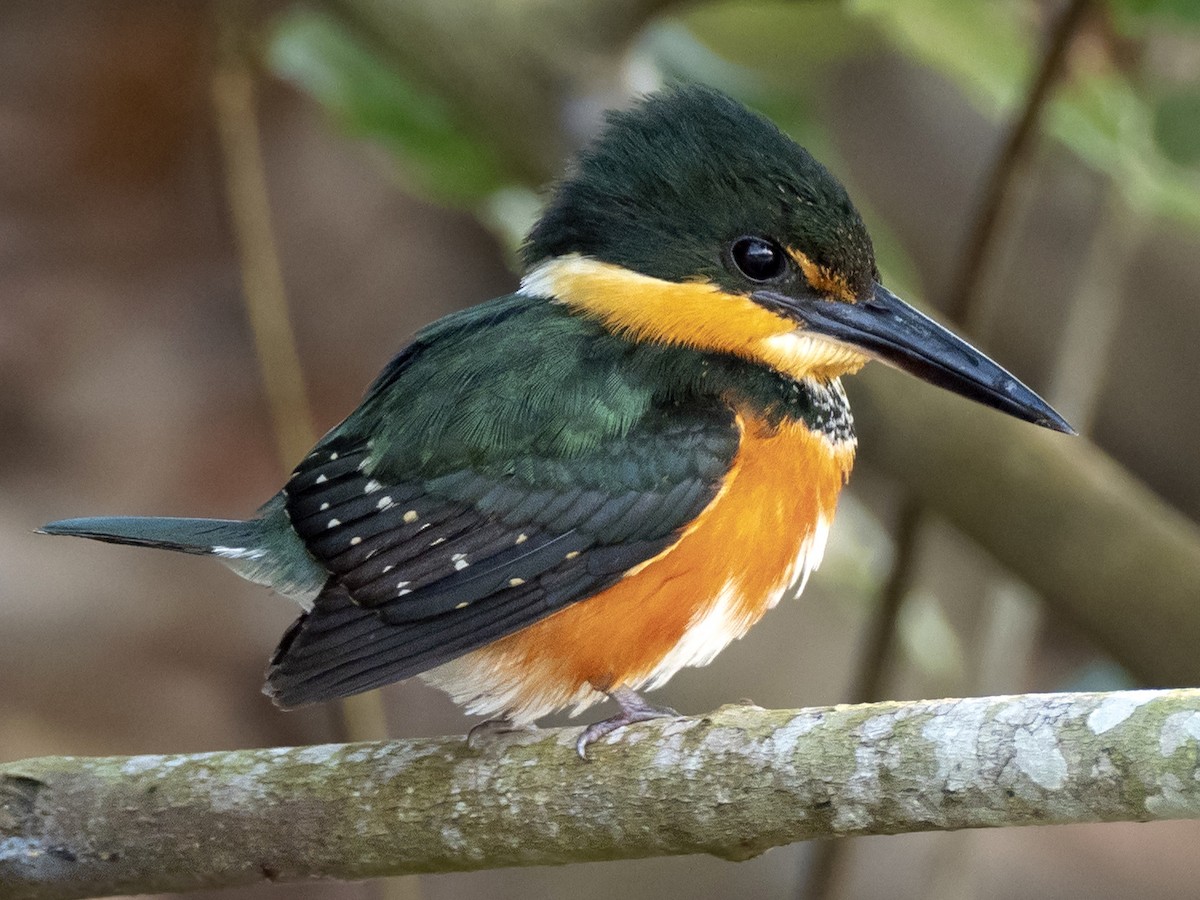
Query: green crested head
<point x="674" y="183"/>
<point x="693" y="222"/>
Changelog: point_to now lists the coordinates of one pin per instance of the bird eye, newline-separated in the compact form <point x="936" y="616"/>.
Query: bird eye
<point x="757" y="258"/>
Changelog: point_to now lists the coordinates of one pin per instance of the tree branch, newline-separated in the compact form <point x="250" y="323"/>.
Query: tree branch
<point x="980" y="243"/>
<point x="732" y="784"/>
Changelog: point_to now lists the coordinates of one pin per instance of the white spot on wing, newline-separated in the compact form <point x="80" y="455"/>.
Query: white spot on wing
<point x="372" y="487"/>
<point x="410" y="516"/>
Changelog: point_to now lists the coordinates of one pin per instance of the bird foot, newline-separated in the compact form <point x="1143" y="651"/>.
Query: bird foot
<point x="634" y="708"/>
<point x="493" y="728"/>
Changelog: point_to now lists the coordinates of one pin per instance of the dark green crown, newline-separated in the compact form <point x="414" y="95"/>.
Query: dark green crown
<point x="674" y="180"/>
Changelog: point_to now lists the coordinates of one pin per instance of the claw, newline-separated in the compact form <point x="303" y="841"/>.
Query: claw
<point x="491" y="728"/>
<point x="634" y="708"/>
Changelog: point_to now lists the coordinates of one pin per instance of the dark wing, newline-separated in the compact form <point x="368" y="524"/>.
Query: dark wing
<point x="428" y="569"/>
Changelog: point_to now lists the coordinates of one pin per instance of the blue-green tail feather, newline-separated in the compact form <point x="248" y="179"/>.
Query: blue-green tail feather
<point x="265" y="549"/>
<point x="201" y="536"/>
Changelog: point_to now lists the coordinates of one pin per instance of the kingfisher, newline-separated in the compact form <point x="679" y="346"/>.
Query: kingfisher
<point x="576" y="490"/>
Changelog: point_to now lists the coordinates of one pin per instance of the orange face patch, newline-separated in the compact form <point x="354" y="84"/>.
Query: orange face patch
<point x="695" y="314"/>
<point x="824" y="279"/>
<point x="691" y="314"/>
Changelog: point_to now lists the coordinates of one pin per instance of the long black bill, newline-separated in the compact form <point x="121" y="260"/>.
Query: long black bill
<point x="888" y="329"/>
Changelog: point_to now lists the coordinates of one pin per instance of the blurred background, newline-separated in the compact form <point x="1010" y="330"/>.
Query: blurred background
<point x="219" y="220"/>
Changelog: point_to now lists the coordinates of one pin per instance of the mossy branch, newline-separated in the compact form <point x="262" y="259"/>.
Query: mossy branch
<point x="732" y="784"/>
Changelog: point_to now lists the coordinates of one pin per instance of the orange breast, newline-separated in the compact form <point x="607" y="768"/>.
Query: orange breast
<point x="764" y="530"/>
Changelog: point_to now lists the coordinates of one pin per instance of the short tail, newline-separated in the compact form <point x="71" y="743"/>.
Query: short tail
<point x="223" y="537"/>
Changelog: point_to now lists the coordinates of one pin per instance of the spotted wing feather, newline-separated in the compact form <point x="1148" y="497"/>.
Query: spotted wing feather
<point x="427" y="569"/>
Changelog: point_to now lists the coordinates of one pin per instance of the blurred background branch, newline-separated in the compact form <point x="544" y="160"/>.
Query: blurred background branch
<point x="1066" y="518"/>
<point x="995" y="196"/>
<point x="362" y="717"/>
<point x="964" y="307"/>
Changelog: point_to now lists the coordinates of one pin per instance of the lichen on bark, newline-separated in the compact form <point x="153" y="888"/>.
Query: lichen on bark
<point x="732" y="783"/>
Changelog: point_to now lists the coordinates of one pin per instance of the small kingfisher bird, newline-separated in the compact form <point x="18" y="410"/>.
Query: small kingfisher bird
<point x="579" y="489"/>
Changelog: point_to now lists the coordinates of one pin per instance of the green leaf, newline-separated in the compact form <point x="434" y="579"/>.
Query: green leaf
<point x="988" y="51"/>
<point x="1111" y="126"/>
<point x="1130" y="11"/>
<point x="1177" y="126"/>
<point x="373" y="98"/>
<point x="984" y="47"/>
<point x="786" y="41"/>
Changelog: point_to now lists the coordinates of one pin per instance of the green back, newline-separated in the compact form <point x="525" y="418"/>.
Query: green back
<point x="521" y="377"/>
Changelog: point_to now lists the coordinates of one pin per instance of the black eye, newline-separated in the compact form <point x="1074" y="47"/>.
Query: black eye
<point x="757" y="258"/>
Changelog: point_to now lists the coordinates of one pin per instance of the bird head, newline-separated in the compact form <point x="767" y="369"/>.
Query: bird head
<point x="696" y="222"/>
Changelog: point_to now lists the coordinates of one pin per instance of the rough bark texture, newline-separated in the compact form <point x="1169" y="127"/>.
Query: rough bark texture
<point x="731" y="784"/>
